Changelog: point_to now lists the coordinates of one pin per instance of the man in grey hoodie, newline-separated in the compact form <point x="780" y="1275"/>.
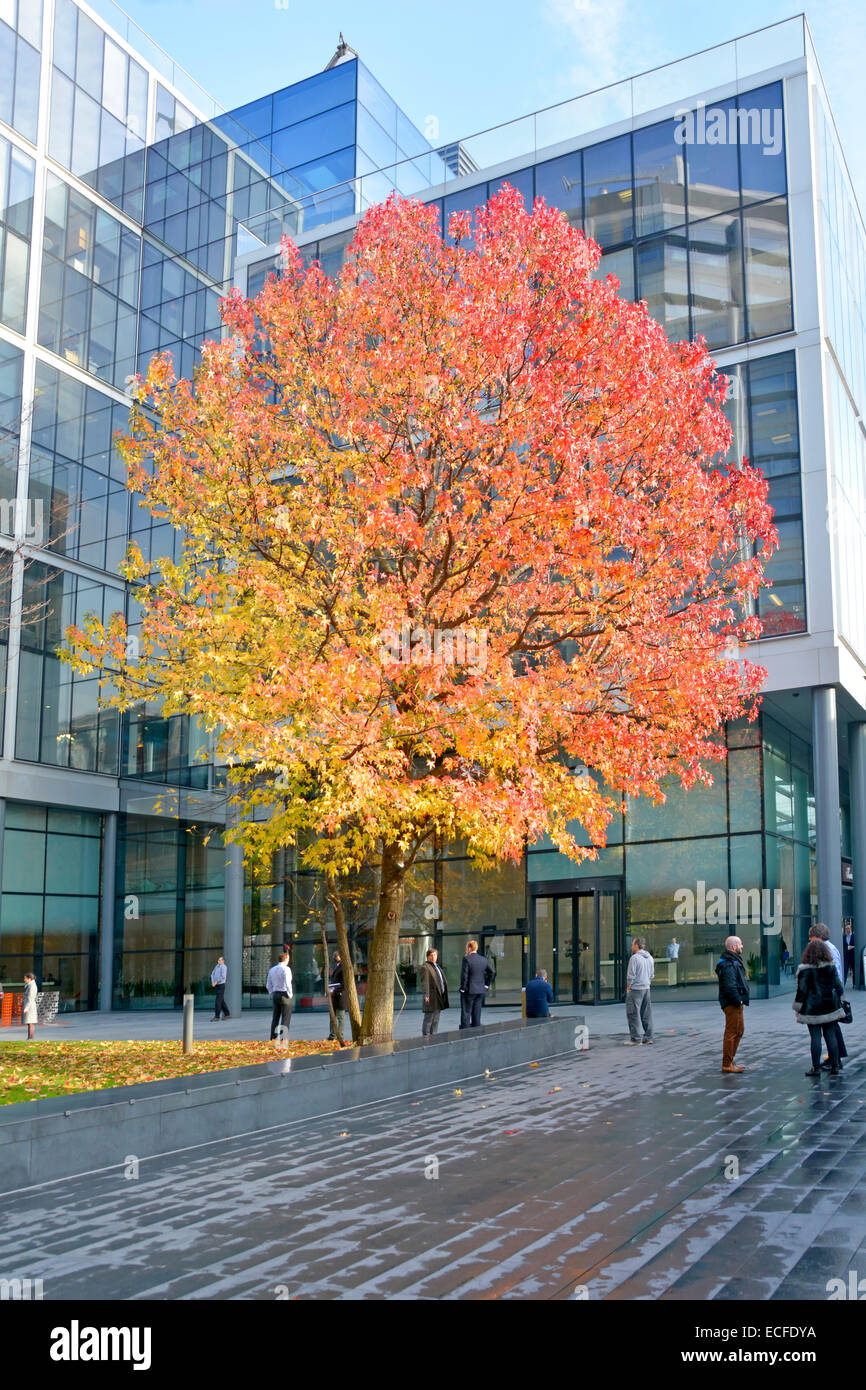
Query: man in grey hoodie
<point x="639" y="978"/>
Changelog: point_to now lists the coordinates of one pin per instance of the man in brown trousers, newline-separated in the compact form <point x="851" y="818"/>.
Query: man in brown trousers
<point x="733" y="997"/>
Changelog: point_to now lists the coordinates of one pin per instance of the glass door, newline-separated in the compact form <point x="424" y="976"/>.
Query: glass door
<point x="578" y="939"/>
<point x="504" y="952"/>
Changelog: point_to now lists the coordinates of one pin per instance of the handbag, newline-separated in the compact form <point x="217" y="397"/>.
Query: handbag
<point x="847" y="1016"/>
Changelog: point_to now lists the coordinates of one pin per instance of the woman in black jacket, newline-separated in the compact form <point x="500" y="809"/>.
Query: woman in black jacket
<point x="818" y="1003"/>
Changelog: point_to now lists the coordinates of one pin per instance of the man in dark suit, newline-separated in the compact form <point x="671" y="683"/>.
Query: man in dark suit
<point x="336" y="988"/>
<point x="474" y="984"/>
<point x="434" y="993"/>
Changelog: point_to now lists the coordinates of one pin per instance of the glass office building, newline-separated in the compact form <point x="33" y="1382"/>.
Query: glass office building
<point x="129" y="203"/>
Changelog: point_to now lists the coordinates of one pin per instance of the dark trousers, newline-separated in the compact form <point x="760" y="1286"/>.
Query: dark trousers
<point x="340" y="1020"/>
<point x="830" y="1032"/>
<point x="430" y="1023"/>
<point x="470" y="1010"/>
<point x="282" y="1012"/>
<point x="734" y="1030"/>
<point x="219" y="1007"/>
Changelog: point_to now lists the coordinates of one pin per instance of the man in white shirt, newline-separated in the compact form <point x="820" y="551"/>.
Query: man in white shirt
<point x="279" y="987"/>
<point x="218" y="980"/>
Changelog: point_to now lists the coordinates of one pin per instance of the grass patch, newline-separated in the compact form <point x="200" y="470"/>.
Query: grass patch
<point x="32" y="1070"/>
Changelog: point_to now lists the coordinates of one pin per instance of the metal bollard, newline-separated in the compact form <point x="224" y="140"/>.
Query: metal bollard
<point x="188" y="1006"/>
<point x="523" y="1002"/>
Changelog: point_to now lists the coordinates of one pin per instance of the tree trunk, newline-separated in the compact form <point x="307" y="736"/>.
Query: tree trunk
<point x="349" y="987"/>
<point x="378" y="1021"/>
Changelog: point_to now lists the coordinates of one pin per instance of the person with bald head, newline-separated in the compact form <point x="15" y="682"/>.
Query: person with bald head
<point x="733" y="997"/>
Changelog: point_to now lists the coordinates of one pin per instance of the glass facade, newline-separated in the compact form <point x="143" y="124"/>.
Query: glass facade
<point x="169" y="912"/>
<point x="51" y="878"/>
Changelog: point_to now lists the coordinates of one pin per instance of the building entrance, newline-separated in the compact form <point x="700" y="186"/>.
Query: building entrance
<point x="578" y="938"/>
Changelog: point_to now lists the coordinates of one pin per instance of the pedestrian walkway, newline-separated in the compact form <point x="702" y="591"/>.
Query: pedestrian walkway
<point x="614" y="1173"/>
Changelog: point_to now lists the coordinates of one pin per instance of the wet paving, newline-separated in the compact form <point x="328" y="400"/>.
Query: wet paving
<point x="616" y="1173"/>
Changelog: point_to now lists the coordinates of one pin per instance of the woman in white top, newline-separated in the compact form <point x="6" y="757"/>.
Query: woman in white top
<point x="28" y="1004"/>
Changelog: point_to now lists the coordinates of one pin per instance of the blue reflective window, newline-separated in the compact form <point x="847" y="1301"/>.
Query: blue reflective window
<point x="467" y="200"/>
<point x="659" y="179"/>
<point x="313" y="95"/>
<point x="716" y="265"/>
<point x="761" y="126"/>
<point x="324" y="173"/>
<point x="88" y="60"/>
<point x="331" y="130"/>
<point x="560" y="183"/>
<point x="377" y="101"/>
<point x="768" y="269"/>
<point x="775" y="446"/>
<point x="27" y="67"/>
<point x="711" y="159"/>
<point x="65" y="31"/>
<point x="376" y="143"/>
<point x="662" y="280"/>
<point x="607" y="186"/>
<point x="521" y="179"/>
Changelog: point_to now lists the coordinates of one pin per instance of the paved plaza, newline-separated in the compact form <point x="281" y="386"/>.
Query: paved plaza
<point x="616" y="1173"/>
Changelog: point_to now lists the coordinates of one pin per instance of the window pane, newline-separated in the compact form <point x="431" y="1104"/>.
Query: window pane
<point x="716" y="267"/>
<point x="768" y="271"/>
<point x="659" y="179"/>
<point x="713" y="169"/>
<point x="560" y="183"/>
<point x="620" y="264"/>
<point x="773" y="411"/>
<point x="663" y="283"/>
<point x="762" y="143"/>
<point x="608" y="191"/>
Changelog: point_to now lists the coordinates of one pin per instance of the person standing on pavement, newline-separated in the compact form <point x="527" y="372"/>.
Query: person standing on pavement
<point x="733" y="998"/>
<point x="279" y="987"/>
<point x="336" y="989"/>
<point x="638" y="981"/>
<point x="29" y="1013"/>
<point x="849" y="954"/>
<point x="539" y="996"/>
<point x="819" y="932"/>
<point x="218" y="980"/>
<point x="434" y="993"/>
<point x="818" y="1003"/>
<point x="474" y="984"/>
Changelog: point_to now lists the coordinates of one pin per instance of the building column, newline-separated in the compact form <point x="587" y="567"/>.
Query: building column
<point x="857" y="779"/>
<point x="108" y="910"/>
<point x="828" y="828"/>
<point x="233" y="935"/>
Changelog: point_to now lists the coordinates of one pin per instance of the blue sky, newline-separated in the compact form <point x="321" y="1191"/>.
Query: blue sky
<point x="474" y="63"/>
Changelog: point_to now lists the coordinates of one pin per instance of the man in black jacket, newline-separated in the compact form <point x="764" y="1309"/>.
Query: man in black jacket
<point x="733" y="996"/>
<point x="474" y="983"/>
<point x="434" y="993"/>
<point x="338" y="997"/>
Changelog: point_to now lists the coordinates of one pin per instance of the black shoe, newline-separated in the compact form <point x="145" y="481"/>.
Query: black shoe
<point x="835" y="1071"/>
<point x="815" y="1071"/>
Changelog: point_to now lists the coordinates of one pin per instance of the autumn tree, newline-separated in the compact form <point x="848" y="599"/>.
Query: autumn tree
<point x="452" y="527"/>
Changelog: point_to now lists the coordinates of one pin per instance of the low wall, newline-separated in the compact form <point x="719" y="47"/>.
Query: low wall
<point x="41" y="1140"/>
